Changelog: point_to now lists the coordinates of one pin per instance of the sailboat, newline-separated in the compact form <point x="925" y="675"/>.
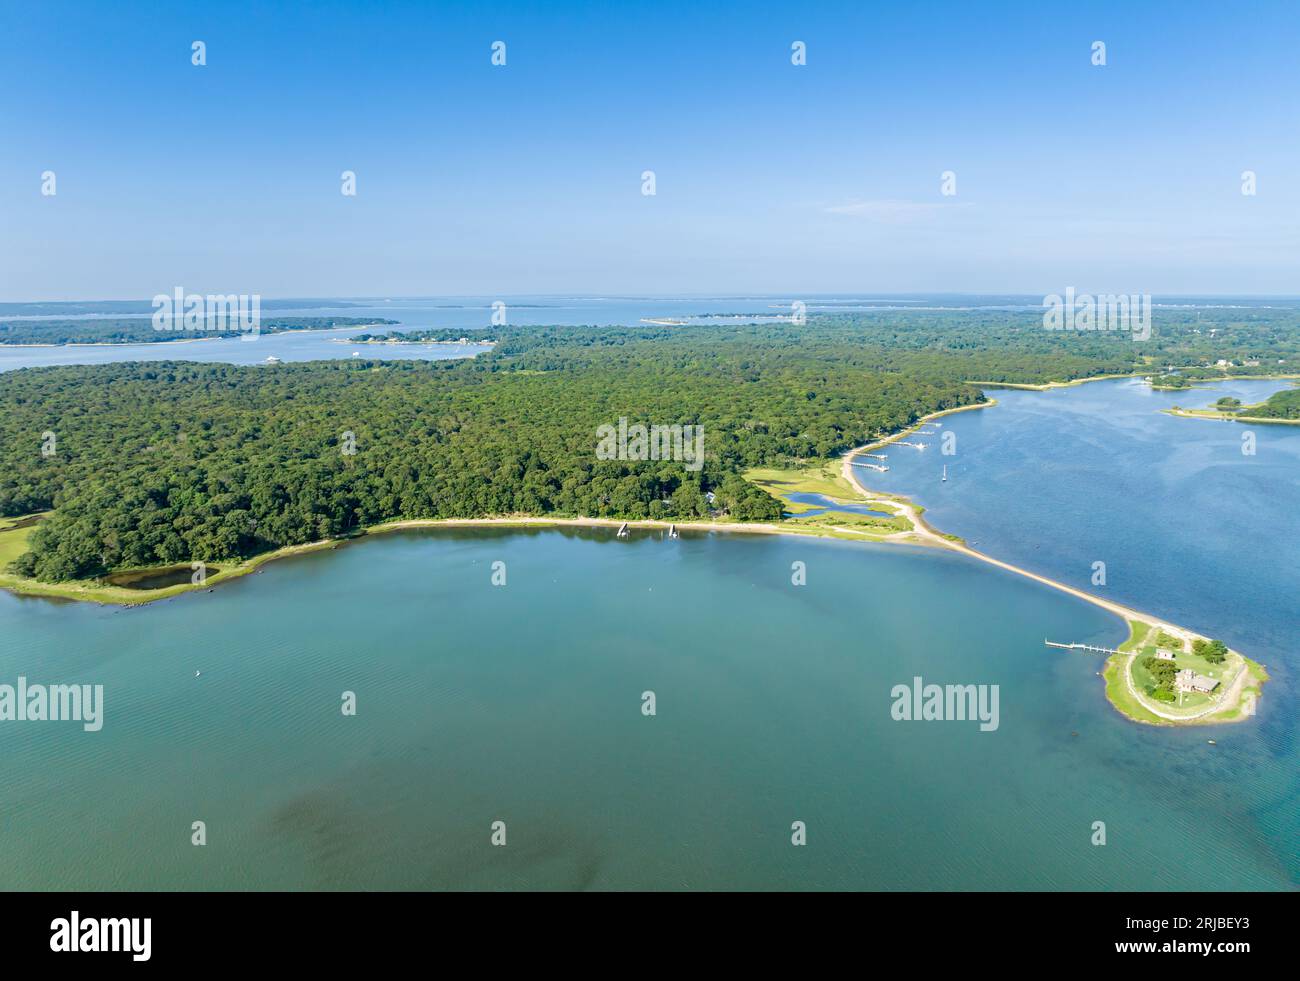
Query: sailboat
<point x="945" y="471"/>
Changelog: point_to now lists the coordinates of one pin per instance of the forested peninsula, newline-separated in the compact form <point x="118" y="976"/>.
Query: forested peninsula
<point x="145" y="464"/>
<point x="1280" y="405"/>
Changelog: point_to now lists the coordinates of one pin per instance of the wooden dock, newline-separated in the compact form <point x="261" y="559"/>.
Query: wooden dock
<point x="1088" y="648"/>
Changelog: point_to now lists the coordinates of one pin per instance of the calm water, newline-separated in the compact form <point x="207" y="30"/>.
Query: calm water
<point x="522" y="703"/>
<point x="821" y="504"/>
<point x="471" y="314"/>
<point x="1188" y="526"/>
<point x="315" y="345"/>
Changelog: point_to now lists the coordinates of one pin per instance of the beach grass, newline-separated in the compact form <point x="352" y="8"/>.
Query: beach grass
<point x="14" y="533"/>
<point x="817" y="477"/>
<point x="1236" y="416"/>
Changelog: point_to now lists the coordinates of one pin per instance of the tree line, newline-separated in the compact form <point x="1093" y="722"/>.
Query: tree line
<point x="155" y="463"/>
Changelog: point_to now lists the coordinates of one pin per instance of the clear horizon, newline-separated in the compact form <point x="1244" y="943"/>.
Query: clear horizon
<point x="1033" y="297"/>
<point x="474" y="179"/>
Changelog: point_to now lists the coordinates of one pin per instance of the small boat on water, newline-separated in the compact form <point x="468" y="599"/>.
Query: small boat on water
<point x="272" y="359"/>
<point x="622" y="531"/>
<point x="945" y="471"/>
<point x="672" y="532"/>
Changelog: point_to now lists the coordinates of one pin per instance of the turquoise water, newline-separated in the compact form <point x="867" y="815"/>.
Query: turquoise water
<point x="522" y="703"/>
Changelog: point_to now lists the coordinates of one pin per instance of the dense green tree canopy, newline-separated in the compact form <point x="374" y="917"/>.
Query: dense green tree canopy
<point x="1281" y="405"/>
<point x="166" y="462"/>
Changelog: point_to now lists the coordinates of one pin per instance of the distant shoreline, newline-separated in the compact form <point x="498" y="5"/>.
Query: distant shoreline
<point x="1048" y="386"/>
<point x="193" y="340"/>
<point x="163" y="340"/>
<point x="456" y="343"/>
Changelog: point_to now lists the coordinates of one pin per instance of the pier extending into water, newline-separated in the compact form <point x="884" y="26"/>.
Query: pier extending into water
<point x="924" y="533"/>
<point x="1089" y="648"/>
<point x="878" y="467"/>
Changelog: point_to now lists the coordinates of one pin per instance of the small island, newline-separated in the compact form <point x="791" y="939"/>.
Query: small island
<point x="1282" y="408"/>
<point x="1164" y="675"/>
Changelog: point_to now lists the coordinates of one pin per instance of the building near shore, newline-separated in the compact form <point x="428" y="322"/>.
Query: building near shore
<point x="1189" y="680"/>
<point x="1164" y="654"/>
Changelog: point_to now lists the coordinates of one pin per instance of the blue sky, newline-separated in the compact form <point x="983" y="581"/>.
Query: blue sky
<point x="475" y="179"/>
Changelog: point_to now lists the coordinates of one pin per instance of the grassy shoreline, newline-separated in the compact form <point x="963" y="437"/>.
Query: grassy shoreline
<point x="1217" y="416"/>
<point x="1235" y="413"/>
<point x="1048" y="386"/>
<point x="104" y="594"/>
<point x="1240" y="694"/>
<point x="1194" y="383"/>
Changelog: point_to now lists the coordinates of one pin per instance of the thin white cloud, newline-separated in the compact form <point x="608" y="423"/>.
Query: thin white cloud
<point x="891" y="211"/>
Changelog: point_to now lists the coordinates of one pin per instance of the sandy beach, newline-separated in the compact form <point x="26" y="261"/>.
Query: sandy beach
<point x="926" y="534"/>
<point x="930" y="536"/>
